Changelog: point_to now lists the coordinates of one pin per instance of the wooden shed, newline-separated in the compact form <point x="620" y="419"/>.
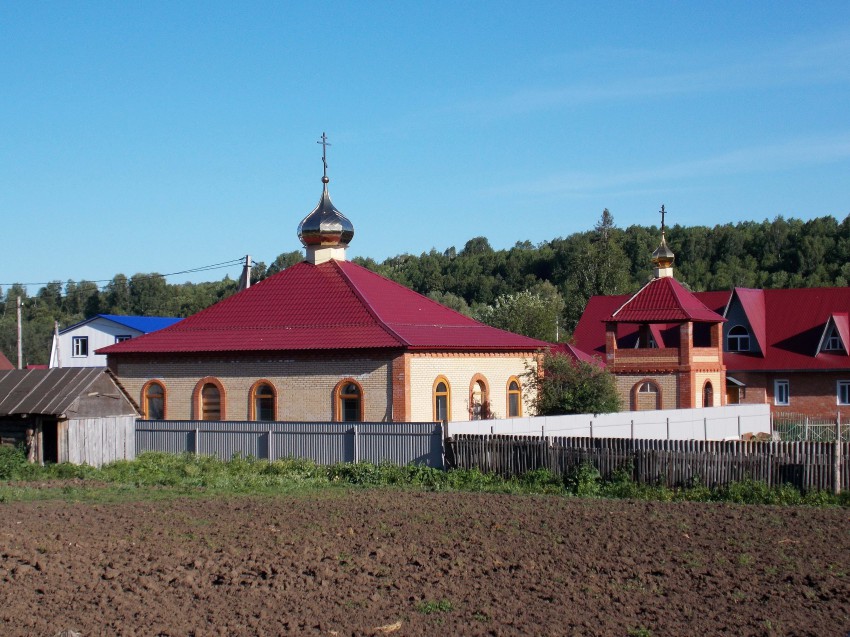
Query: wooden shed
<point x="80" y="415"/>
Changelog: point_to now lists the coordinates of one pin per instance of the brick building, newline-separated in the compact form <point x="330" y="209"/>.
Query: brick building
<point x="663" y="345"/>
<point x="327" y="340"/>
<point x="787" y="348"/>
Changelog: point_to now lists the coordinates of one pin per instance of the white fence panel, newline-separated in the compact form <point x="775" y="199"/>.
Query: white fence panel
<point x="705" y="423"/>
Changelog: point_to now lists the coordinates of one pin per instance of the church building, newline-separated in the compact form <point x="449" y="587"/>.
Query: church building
<point x="327" y="340"/>
<point x="663" y="345"/>
<point x="669" y="348"/>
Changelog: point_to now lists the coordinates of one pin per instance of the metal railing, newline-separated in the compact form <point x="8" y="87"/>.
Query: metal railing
<point x="797" y="427"/>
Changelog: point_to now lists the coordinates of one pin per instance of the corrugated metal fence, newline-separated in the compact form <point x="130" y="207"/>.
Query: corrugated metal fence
<point x="672" y="463"/>
<point x="323" y="442"/>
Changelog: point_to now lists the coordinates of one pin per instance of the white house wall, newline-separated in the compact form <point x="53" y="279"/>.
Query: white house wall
<point x="100" y="332"/>
<point x="459" y="371"/>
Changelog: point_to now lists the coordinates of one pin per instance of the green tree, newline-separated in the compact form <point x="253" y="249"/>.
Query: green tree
<point x="569" y="386"/>
<point x="284" y="260"/>
<point x="453" y="301"/>
<point x="535" y="312"/>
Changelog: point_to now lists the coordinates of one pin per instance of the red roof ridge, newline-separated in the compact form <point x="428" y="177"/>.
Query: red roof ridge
<point x="664" y="300"/>
<point x="631" y="298"/>
<point x="368" y="306"/>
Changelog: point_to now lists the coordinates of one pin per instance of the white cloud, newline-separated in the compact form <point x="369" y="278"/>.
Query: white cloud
<point x="756" y="159"/>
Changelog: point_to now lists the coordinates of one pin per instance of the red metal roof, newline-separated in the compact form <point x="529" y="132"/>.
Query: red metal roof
<point x="793" y="320"/>
<point x="663" y="300"/>
<point x="753" y="303"/>
<point x="333" y="305"/>
<point x="575" y="353"/>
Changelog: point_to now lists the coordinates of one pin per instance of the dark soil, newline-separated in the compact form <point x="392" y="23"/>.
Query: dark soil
<point x="389" y="562"/>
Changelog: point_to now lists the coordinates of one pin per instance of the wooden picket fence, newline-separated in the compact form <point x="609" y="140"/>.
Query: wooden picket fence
<point x="672" y="463"/>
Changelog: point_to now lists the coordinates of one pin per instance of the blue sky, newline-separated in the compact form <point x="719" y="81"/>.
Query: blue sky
<point x="162" y="136"/>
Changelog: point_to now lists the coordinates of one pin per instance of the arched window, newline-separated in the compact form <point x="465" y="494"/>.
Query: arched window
<point x="348" y="402"/>
<point x="442" y="399"/>
<point x="208" y="399"/>
<point x="479" y="398"/>
<point x="210" y="402"/>
<point x="646" y="395"/>
<point x="708" y="395"/>
<point x="514" y="398"/>
<point x="153" y="401"/>
<point x="738" y="339"/>
<point x="263" y="399"/>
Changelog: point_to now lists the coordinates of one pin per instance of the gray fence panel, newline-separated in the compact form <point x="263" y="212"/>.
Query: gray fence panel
<point x="167" y="441"/>
<point x="322" y="442"/>
<point x="401" y="443"/>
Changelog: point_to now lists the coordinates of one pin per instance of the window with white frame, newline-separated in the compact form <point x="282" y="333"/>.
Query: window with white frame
<point x="122" y="337"/>
<point x="781" y="392"/>
<point x="80" y="346"/>
<point x="738" y="339"/>
<point x="832" y="343"/>
<point x="843" y="392"/>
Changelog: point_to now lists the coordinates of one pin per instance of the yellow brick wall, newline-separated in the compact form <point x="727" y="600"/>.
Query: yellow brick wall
<point x="717" y="385"/>
<point x="304" y="387"/>
<point x="459" y="371"/>
<point x="666" y="382"/>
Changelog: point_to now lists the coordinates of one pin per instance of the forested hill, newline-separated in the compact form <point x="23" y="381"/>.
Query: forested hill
<point x="537" y="290"/>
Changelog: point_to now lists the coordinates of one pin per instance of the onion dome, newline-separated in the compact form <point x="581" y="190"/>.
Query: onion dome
<point x="663" y="256"/>
<point x="325" y="226"/>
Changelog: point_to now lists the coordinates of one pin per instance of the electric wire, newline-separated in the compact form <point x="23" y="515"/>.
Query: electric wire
<point x="204" y="268"/>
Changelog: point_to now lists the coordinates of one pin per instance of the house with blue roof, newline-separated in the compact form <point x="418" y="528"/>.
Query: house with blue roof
<point x="75" y="346"/>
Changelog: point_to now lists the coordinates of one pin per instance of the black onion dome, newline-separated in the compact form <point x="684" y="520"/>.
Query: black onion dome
<point x="325" y="226"/>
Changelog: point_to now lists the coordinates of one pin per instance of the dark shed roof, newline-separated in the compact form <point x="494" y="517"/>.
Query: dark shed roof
<point x="46" y="391"/>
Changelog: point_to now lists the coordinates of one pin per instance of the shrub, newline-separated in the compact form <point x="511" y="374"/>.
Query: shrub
<point x="584" y="481"/>
<point x="13" y="461"/>
<point x="542" y="481"/>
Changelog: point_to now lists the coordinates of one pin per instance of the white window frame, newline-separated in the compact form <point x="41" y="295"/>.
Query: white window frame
<point x="122" y="337"/>
<point x="832" y="343"/>
<point x="781" y="392"/>
<point x="842" y="392"/>
<point x="739" y="339"/>
<point x="78" y="344"/>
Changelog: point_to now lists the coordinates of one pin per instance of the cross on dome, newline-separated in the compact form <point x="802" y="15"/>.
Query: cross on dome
<point x="663" y="256"/>
<point x="325" y="143"/>
<point x="325" y="232"/>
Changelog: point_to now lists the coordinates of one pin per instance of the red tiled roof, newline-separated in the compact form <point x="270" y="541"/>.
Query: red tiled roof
<point x="794" y="321"/>
<point x="663" y="300"/>
<point x="333" y="305"/>
<point x="5" y="363"/>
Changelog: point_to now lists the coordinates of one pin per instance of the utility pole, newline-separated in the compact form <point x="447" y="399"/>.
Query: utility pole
<point x="20" y="343"/>
<point x="245" y="279"/>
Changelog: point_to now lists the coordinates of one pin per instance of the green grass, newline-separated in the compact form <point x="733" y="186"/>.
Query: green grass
<point x="155" y="475"/>
<point x="432" y="607"/>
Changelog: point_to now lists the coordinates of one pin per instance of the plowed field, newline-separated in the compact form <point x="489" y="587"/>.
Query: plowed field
<point x="407" y="563"/>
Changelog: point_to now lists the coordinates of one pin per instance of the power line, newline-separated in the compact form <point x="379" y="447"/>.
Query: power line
<point x="203" y="268"/>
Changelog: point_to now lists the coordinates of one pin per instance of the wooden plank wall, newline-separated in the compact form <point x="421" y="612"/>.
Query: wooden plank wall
<point x="673" y="463"/>
<point x="98" y="441"/>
